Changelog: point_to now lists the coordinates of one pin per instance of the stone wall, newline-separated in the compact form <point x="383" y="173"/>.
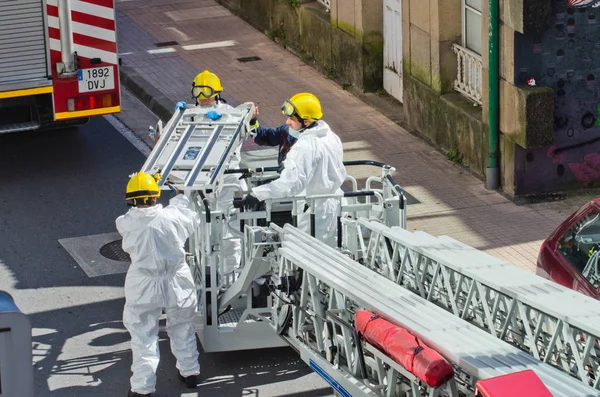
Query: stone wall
<point x="448" y="121"/>
<point x="346" y="44"/>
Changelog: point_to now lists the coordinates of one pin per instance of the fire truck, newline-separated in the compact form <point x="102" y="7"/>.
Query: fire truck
<point x="386" y="312"/>
<point x="58" y="62"/>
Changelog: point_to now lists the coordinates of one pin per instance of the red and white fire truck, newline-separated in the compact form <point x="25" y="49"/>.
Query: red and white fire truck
<point x="58" y="62"/>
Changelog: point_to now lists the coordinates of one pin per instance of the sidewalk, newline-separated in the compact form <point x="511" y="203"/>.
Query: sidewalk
<point x="163" y="46"/>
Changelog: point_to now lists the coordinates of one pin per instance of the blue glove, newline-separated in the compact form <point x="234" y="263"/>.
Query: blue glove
<point x="213" y="115"/>
<point x="180" y="105"/>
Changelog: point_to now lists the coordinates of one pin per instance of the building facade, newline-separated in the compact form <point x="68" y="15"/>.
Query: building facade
<point x="433" y="56"/>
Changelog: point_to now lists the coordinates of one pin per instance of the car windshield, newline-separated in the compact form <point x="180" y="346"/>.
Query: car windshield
<point x="581" y="246"/>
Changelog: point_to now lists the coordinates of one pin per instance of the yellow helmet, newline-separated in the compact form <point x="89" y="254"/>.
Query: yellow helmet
<point x="206" y="85"/>
<point x="303" y="105"/>
<point x="142" y="186"/>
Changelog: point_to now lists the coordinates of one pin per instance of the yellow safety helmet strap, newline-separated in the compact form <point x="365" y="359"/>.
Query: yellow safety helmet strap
<point x="142" y="194"/>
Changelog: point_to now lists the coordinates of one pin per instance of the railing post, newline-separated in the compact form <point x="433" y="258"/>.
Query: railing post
<point x="468" y="75"/>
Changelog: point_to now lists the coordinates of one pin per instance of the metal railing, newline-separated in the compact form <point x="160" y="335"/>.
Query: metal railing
<point x="326" y="3"/>
<point x="468" y="76"/>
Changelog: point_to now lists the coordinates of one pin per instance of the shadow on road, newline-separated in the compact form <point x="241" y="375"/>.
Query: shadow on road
<point x="89" y="356"/>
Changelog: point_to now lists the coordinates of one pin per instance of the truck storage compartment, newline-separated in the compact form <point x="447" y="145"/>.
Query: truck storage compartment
<point x="23" y="52"/>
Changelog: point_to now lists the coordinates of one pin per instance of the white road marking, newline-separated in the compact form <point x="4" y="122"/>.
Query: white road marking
<point x="161" y="50"/>
<point x="216" y="44"/>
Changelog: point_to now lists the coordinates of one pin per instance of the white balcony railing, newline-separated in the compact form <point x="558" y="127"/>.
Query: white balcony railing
<point x="326" y="3"/>
<point x="468" y="77"/>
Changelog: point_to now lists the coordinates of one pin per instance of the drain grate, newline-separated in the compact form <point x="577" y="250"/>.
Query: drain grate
<point x="248" y="59"/>
<point x="166" y="43"/>
<point x="114" y="251"/>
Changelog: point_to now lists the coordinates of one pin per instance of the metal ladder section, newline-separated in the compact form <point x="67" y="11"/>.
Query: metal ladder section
<point x="333" y="286"/>
<point x="193" y="151"/>
<point x="550" y="322"/>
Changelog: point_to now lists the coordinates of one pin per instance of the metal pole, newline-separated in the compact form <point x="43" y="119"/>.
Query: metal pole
<point x="66" y="36"/>
<point x="492" y="171"/>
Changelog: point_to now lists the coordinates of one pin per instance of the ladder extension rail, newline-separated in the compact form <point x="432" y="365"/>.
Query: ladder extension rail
<point x="331" y="282"/>
<point x="554" y="324"/>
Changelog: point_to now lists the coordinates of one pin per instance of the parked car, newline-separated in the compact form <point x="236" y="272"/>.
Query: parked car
<point x="570" y="256"/>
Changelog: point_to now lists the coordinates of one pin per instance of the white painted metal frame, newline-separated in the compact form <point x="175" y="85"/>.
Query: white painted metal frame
<point x="554" y="324"/>
<point x="213" y="143"/>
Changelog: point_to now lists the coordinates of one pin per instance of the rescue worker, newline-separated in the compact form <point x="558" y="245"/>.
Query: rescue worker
<point x="158" y="279"/>
<point x="314" y="165"/>
<point x="207" y="89"/>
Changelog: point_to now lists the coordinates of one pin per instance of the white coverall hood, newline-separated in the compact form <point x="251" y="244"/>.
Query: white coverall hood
<point x="159" y="278"/>
<point x="314" y="165"/>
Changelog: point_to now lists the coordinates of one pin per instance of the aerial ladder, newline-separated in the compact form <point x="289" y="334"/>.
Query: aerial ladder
<point x="487" y="319"/>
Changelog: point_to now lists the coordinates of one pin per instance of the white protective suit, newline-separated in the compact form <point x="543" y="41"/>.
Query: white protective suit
<point x="158" y="278"/>
<point x="231" y="251"/>
<point x="314" y="165"/>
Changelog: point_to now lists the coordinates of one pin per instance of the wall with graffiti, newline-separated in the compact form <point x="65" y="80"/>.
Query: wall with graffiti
<point x="566" y="58"/>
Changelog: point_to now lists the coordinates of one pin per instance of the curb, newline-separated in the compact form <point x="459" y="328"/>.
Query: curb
<point x="151" y="97"/>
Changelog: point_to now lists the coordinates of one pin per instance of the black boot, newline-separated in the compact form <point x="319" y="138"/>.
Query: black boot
<point x="190" y="381"/>
<point x="132" y="394"/>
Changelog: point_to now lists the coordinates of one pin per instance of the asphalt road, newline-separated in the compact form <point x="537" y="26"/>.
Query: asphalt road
<point x="69" y="184"/>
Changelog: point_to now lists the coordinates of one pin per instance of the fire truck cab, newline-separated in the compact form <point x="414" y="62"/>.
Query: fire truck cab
<point x="58" y="63"/>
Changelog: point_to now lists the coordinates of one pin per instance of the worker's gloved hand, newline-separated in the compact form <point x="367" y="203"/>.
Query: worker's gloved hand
<point x="174" y="190"/>
<point x="180" y="105"/>
<point x="213" y="115"/>
<point x="245" y="175"/>
<point x="253" y="128"/>
<point x="251" y="203"/>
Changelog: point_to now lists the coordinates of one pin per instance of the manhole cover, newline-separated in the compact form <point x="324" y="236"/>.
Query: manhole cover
<point x="114" y="251"/>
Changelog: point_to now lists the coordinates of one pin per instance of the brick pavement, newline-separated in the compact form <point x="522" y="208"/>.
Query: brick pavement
<point x="453" y="202"/>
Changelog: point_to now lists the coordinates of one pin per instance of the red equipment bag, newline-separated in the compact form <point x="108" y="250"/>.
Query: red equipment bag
<point x="404" y="348"/>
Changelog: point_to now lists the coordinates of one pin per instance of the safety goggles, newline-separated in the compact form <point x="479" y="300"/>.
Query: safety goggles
<point x="288" y="109"/>
<point x="203" y="91"/>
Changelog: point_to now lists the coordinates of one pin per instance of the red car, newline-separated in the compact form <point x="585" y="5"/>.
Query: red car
<point x="570" y="256"/>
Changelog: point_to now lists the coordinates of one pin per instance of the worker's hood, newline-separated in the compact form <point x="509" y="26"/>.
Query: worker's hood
<point x="137" y="217"/>
<point x="320" y="129"/>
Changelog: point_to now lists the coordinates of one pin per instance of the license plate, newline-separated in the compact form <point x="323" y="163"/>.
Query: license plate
<point x="96" y="79"/>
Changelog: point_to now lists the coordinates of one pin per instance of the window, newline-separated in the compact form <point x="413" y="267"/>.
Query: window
<point x="471" y="23"/>
<point x="581" y="246"/>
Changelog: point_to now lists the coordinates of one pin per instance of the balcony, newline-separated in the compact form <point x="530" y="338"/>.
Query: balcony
<point x="326" y="3"/>
<point x="468" y="77"/>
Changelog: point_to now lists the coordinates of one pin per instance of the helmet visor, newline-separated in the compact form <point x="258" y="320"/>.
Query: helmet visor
<point x="203" y="91"/>
<point x="288" y="109"/>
